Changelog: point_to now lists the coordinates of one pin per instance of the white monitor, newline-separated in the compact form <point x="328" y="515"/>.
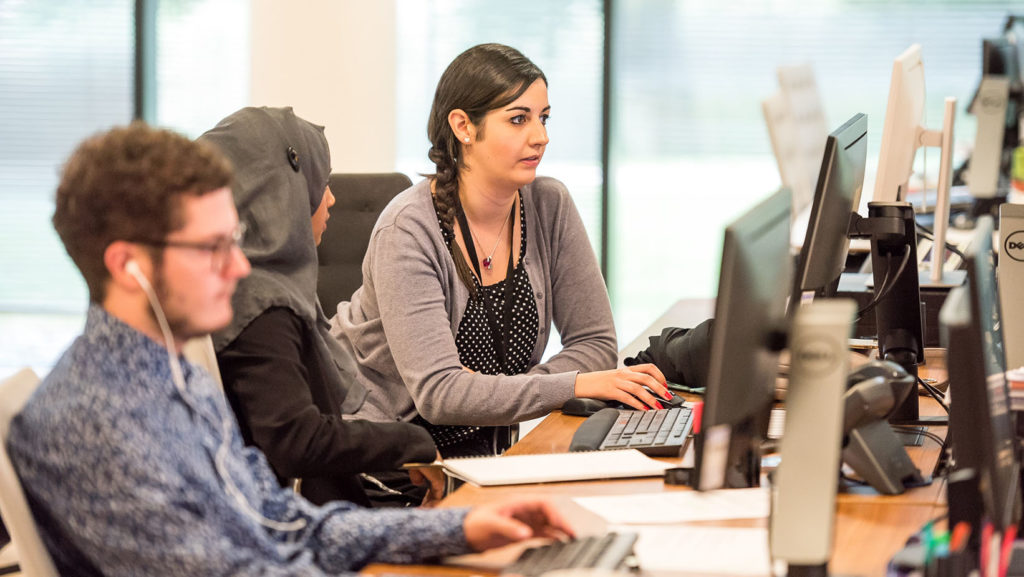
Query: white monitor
<point x="903" y="134"/>
<point x="798" y="87"/>
<point x="796" y="127"/>
<point x="903" y="116"/>
<point x="778" y="118"/>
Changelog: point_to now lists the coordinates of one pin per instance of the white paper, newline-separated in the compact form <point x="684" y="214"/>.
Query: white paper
<point x="517" y="469"/>
<point x="680" y="506"/>
<point x="701" y="550"/>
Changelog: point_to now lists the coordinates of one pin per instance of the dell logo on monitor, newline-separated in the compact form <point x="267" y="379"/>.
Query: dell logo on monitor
<point x="815" y="355"/>
<point x="989" y="102"/>
<point x="1014" y="246"/>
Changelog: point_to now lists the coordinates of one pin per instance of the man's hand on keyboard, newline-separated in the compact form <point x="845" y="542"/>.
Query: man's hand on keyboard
<point x="498" y="524"/>
<point x="638" y="386"/>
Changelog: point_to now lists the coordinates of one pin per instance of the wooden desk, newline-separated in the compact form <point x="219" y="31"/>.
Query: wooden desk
<point x="869" y="528"/>
<point x="689" y="313"/>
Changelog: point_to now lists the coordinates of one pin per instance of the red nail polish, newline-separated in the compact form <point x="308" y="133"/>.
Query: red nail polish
<point x="659" y="405"/>
<point x="668" y="395"/>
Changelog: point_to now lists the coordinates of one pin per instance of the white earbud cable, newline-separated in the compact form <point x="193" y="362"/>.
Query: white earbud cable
<point x="222" y="451"/>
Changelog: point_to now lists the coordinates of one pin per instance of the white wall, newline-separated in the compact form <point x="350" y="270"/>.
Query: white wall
<point x="334" y="62"/>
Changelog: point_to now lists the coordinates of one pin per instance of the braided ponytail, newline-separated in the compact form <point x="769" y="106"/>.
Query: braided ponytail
<point x="483" y="78"/>
<point x="448" y="205"/>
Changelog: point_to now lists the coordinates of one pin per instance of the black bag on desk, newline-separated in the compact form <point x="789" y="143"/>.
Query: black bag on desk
<point x="683" y="355"/>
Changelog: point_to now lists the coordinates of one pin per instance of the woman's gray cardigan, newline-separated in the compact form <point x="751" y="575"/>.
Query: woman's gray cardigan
<point x="401" y="323"/>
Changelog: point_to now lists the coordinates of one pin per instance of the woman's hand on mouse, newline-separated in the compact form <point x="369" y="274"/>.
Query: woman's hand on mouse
<point x="638" y="386"/>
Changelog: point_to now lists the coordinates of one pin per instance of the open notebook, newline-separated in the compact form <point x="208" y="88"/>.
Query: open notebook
<point x="520" y="469"/>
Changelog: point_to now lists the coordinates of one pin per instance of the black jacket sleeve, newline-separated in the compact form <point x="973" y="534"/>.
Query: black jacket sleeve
<point x="273" y="377"/>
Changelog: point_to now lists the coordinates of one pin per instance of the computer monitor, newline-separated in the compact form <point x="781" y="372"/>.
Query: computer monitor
<point x="749" y="332"/>
<point x="904" y="113"/>
<point x="996" y="104"/>
<point x="903" y="134"/>
<point x="1013" y="30"/>
<point x="1000" y="56"/>
<point x="790" y="155"/>
<point x="836" y="197"/>
<point x="796" y="124"/>
<point x="981" y="424"/>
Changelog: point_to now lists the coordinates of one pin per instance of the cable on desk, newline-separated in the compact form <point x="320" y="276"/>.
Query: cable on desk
<point x="849" y="479"/>
<point x="911" y="430"/>
<point x="927" y="233"/>
<point x="935" y="394"/>
<point x="941" y="517"/>
<point x="687" y="389"/>
<point x="887" y="285"/>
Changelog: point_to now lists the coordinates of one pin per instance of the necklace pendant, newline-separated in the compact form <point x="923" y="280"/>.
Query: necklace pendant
<point x="487" y="263"/>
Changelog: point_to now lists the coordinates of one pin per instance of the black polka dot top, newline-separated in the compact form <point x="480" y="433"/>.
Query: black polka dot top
<point x="474" y="339"/>
<point x="476" y="348"/>
<point x="475" y="344"/>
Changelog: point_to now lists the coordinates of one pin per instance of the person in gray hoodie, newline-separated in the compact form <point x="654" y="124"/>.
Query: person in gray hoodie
<point x="287" y="380"/>
<point x="467" y="270"/>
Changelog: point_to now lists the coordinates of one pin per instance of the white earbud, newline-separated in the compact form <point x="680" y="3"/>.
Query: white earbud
<point x="131" y="267"/>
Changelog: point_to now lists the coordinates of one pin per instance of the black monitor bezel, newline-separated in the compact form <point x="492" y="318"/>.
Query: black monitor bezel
<point x="981" y="423"/>
<point x="750" y="323"/>
<point x="822" y="256"/>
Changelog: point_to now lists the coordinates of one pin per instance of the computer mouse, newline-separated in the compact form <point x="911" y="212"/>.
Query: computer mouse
<point x="584" y="407"/>
<point x="676" y="400"/>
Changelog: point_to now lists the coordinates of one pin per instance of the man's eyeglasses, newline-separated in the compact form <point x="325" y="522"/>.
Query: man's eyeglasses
<point x="220" y="250"/>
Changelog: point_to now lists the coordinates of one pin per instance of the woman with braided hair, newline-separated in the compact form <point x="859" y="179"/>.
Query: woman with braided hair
<point x="467" y="270"/>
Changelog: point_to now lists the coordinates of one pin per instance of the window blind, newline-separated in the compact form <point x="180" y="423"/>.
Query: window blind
<point x="65" y="72"/>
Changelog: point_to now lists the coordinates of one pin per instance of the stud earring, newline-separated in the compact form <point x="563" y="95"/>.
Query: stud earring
<point x="466" y="140"/>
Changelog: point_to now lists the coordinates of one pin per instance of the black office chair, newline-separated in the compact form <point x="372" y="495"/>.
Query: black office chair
<point x="360" y="198"/>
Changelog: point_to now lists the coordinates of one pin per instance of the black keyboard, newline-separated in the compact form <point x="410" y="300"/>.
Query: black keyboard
<point x="658" y="433"/>
<point x="609" y="551"/>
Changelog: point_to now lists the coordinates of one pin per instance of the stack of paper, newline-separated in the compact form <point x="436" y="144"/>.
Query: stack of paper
<point x="520" y="469"/>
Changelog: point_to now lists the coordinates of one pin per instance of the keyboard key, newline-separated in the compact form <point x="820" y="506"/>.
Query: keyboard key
<point x="634" y="422"/>
<point x="645" y="421"/>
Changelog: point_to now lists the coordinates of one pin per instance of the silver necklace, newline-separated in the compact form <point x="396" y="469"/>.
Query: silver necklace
<point x="488" y="260"/>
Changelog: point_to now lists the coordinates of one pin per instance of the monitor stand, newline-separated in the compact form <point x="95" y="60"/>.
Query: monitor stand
<point x="871" y="446"/>
<point x="1011" y="274"/>
<point x="898" y="315"/>
<point x="875" y="452"/>
<point x="804" y="497"/>
<point x="950" y="279"/>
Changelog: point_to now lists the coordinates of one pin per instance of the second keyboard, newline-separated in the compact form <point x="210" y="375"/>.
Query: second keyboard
<point x="658" y="433"/>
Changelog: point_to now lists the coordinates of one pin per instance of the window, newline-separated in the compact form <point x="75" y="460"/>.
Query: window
<point x="689" y="147"/>
<point x="202" y="62"/>
<point x="67" y="71"/>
